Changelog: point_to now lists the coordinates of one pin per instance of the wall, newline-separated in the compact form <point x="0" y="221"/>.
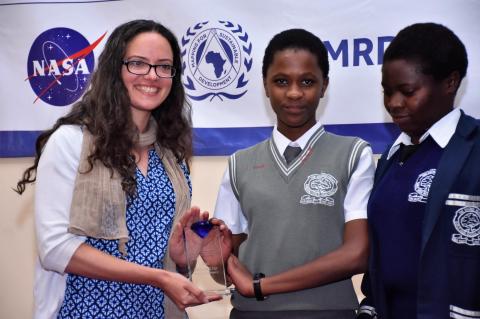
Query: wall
<point x="17" y="238"/>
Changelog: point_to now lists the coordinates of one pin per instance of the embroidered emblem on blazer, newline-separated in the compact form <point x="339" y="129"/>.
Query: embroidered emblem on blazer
<point x="467" y="223"/>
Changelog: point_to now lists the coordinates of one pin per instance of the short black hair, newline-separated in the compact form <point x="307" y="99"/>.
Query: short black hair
<point x="437" y="50"/>
<point x="296" y="39"/>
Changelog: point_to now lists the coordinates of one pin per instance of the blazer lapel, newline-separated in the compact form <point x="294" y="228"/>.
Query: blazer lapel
<point x="451" y="162"/>
<point x="382" y="166"/>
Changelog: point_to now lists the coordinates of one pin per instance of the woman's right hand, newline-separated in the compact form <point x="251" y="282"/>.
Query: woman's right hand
<point x="182" y="292"/>
<point x="93" y="263"/>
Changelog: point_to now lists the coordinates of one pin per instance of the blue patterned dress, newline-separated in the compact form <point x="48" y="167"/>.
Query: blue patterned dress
<point x="149" y="221"/>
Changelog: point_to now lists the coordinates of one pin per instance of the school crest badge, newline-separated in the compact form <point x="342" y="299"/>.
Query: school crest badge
<point x="467" y="223"/>
<point x="319" y="189"/>
<point x="422" y="186"/>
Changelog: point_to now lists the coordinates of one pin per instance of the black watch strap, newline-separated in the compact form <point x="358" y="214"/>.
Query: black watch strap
<point x="257" y="289"/>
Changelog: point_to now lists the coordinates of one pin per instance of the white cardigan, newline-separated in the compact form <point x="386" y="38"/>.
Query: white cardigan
<point x="56" y="174"/>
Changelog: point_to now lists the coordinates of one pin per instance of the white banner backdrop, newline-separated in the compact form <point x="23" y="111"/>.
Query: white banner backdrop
<point x="49" y="49"/>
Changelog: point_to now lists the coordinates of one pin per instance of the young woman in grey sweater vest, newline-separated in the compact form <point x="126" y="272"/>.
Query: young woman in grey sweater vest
<point x="299" y="225"/>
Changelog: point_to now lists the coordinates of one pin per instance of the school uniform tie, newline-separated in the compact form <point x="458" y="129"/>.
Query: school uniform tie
<point x="406" y="151"/>
<point x="291" y="152"/>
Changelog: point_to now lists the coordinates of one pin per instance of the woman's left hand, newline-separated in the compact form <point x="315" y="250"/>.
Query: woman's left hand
<point x="176" y="244"/>
<point x="240" y="276"/>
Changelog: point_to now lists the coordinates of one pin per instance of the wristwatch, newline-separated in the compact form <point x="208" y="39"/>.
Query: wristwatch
<point x="257" y="289"/>
<point x="366" y="312"/>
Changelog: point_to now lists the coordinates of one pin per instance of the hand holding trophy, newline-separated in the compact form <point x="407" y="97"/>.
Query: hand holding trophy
<point x="209" y="239"/>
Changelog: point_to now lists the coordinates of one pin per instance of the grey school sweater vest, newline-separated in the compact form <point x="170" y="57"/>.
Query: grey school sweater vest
<point x="295" y="214"/>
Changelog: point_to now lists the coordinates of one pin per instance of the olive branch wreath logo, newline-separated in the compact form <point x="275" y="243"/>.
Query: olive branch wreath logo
<point x="247" y="62"/>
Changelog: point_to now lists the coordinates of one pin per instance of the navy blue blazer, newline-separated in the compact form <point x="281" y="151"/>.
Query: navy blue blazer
<point x="449" y="265"/>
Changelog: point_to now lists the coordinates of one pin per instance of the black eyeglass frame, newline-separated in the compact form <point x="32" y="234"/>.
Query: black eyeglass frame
<point x="150" y="66"/>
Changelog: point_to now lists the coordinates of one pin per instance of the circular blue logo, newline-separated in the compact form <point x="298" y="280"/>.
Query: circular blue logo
<point x="216" y="60"/>
<point x="59" y="66"/>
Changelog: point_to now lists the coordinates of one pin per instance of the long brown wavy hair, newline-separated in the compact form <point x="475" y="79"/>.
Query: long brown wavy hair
<point x="105" y="110"/>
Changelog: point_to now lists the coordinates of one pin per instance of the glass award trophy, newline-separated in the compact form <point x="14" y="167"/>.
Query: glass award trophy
<point x="202" y="239"/>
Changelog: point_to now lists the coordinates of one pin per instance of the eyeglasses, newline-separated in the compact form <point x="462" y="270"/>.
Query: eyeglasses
<point x="143" y="68"/>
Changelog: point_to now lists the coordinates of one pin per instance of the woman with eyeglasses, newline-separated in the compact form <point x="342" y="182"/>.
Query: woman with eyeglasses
<point x="112" y="182"/>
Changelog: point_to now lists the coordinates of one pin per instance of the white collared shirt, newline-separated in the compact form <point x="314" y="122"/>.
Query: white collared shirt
<point x="229" y="210"/>
<point x="441" y="132"/>
<point x="281" y="141"/>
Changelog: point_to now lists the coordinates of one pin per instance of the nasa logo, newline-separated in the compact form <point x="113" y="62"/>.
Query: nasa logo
<point x="59" y="66"/>
<point x="215" y="60"/>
